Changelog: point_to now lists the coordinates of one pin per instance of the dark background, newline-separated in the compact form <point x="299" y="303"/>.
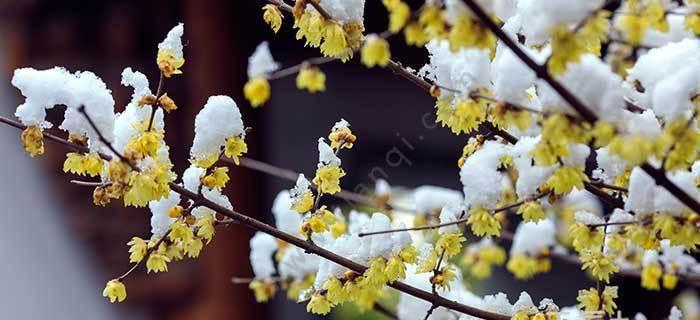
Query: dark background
<point x="397" y="140"/>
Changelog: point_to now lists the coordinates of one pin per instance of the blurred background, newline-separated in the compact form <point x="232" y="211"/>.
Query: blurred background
<point x="58" y="249"/>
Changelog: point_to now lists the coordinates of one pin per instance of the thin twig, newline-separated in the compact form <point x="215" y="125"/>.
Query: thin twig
<point x="148" y="254"/>
<point x="384" y="311"/>
<point x="156" y="105"/>
<point x="316" y="61"/>
<point x="240" y="280"/>
<point x="102" y="138"/>
<point x="321" y="11"/>
<point x="89" y="183"/>
<point x="604" y="185"/>
<point x="456" y="222"/>
<point x="290" y="175"/>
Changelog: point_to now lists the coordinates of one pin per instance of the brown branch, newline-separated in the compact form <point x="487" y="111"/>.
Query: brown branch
<point x="295" y="68"/>
<point x="321" y="11"/>
<point x="604" y="185"/>
<point x="89" y="183"/>
<point x="156" y="105"/>
<point x="604" y="196"/>
<point x="282" y="5"/>
<point x="541" y="71"/>
<point x="384" y="311"/>
<point x="309" y="247"/>
<point x="102" y="138"/>
<point x="458" y="221"/>
<point x="290" y="175"/>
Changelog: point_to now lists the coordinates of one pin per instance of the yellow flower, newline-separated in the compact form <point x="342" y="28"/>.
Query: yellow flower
<point x="670" y="281"/>
<point x="263" y="290"/>
<point x="589" y="300"/>
<point x="145" y="144"/>
<point x="328" y="179"/>
<point x="205" y="226"/>
<point x="443" y="277"/>
<point x="427" y="264"/>
<point x="493" y="254"/>
<point x="409" y="254"/>
<point x="566" y="47"/>
<point x="531" y="211"/>
<point x="467" y="32"/>
<point x="334" y="291"/>
<point x="354" y="36"/>
<point x="651" y="274"/>
<point x="450" y="244"/>
<point x="168" y="63"/>
<point x="375" y="52"/>
<point x="257" y="91"/>
<point x="193" y="247"/>
<point x="666" y="225"/>
<point x="585" y="237"/>
<point x="33" y="140"/>
<point x="432" y="20"/>
<point x="334" y="42"/>
<point x="415" y="35"/>
<point x="520" y="315"/>
<point x="642" y="236"/>
<point x="522" y="266"/>
<point x="480" y="269"/>
<point x="692" y="22"/>
<point x="483" y="223"/>
<point x="158" y="260"/>
<point x="148" y="185"/>
<point x="342" y="138"/>
<point x="603" y="132"/>
<point x="304" y="203"/>
<point x="465" y="117"/>
<point x="565" y="178"/>
<point x="312" y="79"/>
<point x="88" y="164"/>
<point x="114" y="290"/>
<point x="272" y="16"/>
<point x="688" y="236"/>
<point x="235" y="147"/>
<point x="600" y="265"/>
<point x="180" y="231"/>
<point x="641" y="17"/>
<point x="310" y="26"/>
<point x="399" y="13"/>
<point x="175" y="251"/>
<point x="505" y="116"/>
<point x="217" y="179"/>
<point x="317" y="224"/>
<point x="338" y="228"/>
<point x="138" y="248"/>
<point x="395" y="269"/>
<point x="594" y="31"/>
<point x="608" y="296"/>
<point x="319" y="305"/>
